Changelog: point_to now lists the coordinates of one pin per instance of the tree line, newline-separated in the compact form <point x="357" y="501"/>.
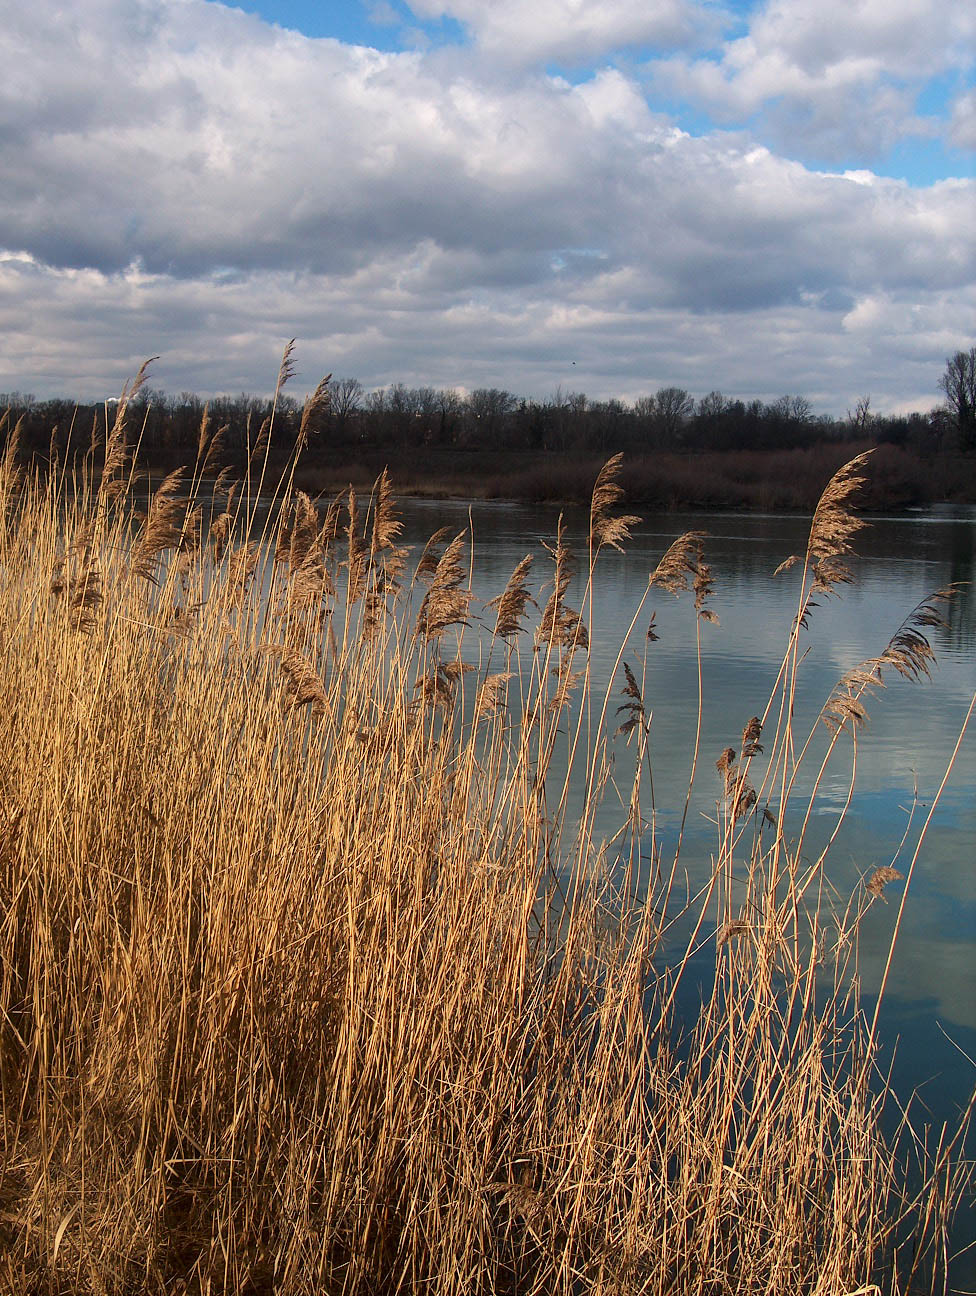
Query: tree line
<point x="490" y="418"/>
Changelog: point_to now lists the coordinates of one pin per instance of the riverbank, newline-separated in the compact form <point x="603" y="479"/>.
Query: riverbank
<point x="758" y="481"/>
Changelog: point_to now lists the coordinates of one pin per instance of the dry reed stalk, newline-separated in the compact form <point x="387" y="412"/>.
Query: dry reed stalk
<point x="511" y="604"/>
<point x="560" y="625"/>
<point x="355" y="553"/>
<point x="112" y="484"/>
<point x="160" y="530"/>
<point x="445" y="604"/>
<point x="607" y="493"/>
<point x="297" y="533"/>
<point x="302" y="681"/>
<point x="295" y="1007"/>
<point x="681" y="559"/>
<point x="315" y="406"/>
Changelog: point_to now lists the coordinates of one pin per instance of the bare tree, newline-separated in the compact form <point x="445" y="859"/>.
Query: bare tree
<point x="644" y="408"/>
<point x="860" y="418"/>
<point x="793" y="409"/>
<point x="450" y="412"/>
<point x="712" y="406"/>
<point x="347" y="394"/>
<point x="488" y="409"/>
<point x="959" y="384"/>
<point x="672" y="407"/>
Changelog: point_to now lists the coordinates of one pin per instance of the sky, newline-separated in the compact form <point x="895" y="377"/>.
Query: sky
<point x="599" y="196"/>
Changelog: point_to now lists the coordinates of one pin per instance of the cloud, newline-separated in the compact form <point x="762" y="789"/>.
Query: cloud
<point x="427" y="217"/>
<point x="962" y="128"/>
<point x="570" y="30"/>
<point x="832" y="80"/>
<point x="83" y="332"/>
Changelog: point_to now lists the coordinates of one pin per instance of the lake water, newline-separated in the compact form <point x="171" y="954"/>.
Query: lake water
<point x="929" y="1012"/>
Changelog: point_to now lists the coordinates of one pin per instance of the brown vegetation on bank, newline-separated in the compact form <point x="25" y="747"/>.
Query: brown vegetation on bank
<point x="753" y="480"/>
<point x="312" y="980"/>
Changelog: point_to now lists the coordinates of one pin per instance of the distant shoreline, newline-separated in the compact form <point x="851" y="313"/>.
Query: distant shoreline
<point x="745" y="481"/>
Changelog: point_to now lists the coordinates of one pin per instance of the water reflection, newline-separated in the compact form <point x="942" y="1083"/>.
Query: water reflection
<point x="901" y="755"/>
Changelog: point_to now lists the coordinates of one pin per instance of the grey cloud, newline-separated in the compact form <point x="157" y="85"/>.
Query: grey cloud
<point x="84" y="333"/>
<point x="962" y="127"/>
<point x="415" y="217"/>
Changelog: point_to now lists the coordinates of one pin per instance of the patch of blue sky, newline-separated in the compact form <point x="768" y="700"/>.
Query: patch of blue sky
<point x="737" y="14"/>
<point x="924" y="161"/>
<point x="936" y="95"/>
<point x="387" y="25"/>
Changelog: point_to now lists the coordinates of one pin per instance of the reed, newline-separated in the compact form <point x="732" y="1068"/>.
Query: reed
<point x="313" y="978"/>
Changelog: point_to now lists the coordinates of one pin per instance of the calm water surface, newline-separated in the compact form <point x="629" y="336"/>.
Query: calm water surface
<point x="930" y="1006"/>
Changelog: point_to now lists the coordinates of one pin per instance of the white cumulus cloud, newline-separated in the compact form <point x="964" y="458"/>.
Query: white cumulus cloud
<point x="548" y="30"/>
<point x="433" y="218"/>
<point x="835" y="78"/>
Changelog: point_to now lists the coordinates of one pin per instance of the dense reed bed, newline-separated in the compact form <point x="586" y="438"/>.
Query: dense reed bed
<point x="314" y="978"/>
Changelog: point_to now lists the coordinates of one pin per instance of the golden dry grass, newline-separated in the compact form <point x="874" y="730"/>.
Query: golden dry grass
<point x="310" y="982"/>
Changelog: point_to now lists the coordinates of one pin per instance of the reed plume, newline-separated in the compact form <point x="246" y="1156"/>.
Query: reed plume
<point x="316" y="406"/>
<point x="355" y="552"/>
<point x="160" y="530"/>
<point x="681" y="559"/>
<point x="303" y="684"/>
<point x="436" y="689"/>
<point x="286" y="370"/>
<point x="220" y="533"/>
<point x="834" y="522"/>
<point x="331" y="526"/>
<point x="298" y="532"/>
<point x="633" y="707"/>
<point x="210" y="445"/>
<point x="386" y="531"/>
<point x="387" y="527"/>
<point x="511" y="604"/>
<point x="203" y="435"/>
<point x="430" y="557"/>
<point x="492" y="694"/>
<point x="262" y="443"/>
<point x="9" y="469"/>
<point x="241" y="567"/>
<point x="446" y="603"/>
<point x="567" y="681"/>
<point x="607" y="493"/>
<point x="908" y="652"/>
<point x="751" y="745"/>
<point x="82" y="595"/>
<point x="311" y="581"/>
<point x="880" y="878"/>
<point x="833" y="526"/>
<point x="560" y="625"/>
<point x="112" y="485"/>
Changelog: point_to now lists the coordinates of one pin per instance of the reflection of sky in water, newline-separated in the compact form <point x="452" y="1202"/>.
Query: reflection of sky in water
<point x="911" y="731"/>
